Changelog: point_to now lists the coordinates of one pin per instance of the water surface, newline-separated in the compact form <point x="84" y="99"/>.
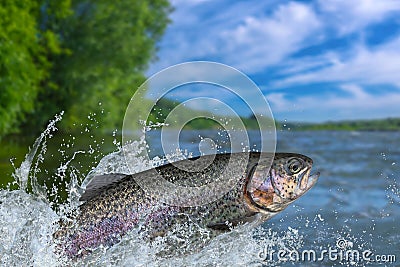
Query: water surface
<point x="354" y="206"/>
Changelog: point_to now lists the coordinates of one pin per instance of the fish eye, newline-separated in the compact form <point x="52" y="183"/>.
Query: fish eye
<point x="294" y="166"/>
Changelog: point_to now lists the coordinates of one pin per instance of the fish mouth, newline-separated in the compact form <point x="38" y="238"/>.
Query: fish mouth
<point x="306" y="183"/>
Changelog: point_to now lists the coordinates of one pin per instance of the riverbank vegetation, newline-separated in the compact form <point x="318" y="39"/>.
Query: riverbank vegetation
<point x="388" y="124"/>
<point x="78" y="56"/>
<point x="165" y="106"/>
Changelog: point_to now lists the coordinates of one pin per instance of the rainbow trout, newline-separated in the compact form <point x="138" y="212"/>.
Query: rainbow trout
<point x="116" y="204"/>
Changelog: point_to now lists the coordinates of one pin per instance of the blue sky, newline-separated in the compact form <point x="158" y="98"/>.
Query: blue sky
<point x="313" y="60"/>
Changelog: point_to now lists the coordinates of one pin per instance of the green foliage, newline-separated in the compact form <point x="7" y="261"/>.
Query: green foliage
<point x="390" y="124"/>
<point x="164" y="107"/>
<point x="111" y="45"/>
<point x="78" y="56"/>
<point x="24" y="52"/>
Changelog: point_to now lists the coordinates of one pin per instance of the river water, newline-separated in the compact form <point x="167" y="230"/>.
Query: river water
<point x="351" y="217"/>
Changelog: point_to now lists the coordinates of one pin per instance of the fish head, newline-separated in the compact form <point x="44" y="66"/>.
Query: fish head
<point x="271" y="188"/>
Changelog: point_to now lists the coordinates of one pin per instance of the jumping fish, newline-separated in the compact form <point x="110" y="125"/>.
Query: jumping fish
<point x="112" y="209"/>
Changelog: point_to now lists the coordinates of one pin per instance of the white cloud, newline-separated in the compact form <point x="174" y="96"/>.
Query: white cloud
<point x="261" y="36"/>
<point x="380" y="65"/>
<point x="263" y="41"/>
<point x="242" y="35"/>
<point x="356" y="91"/>
<point x="187" y="2"/>
<point x="254" y="35"/>
<point x="357" y="104"/>
<point x="278" y="101"/>
<point x="307" y="63"/>
<point x="350" y="16"/>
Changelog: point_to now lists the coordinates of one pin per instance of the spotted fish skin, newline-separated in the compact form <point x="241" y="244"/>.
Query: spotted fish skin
<point x="118" y="208"/>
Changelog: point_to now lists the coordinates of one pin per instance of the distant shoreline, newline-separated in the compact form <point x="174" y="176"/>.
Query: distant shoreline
<point x="375" y="125"/>
<point x="164" y="107"/>
<point x="388" y="124"/>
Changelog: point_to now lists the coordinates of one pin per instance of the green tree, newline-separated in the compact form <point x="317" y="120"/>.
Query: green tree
<point x="24" y="53"/>
<point x="109" y="47"/>
<point x="78" y="56"/>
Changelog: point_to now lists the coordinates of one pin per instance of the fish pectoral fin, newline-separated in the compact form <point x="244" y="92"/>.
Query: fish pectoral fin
<point x="230" y="224"/>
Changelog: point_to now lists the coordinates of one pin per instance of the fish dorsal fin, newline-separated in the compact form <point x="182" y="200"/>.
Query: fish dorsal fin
<point x="229" y="224"/>
<point x="99" y="182"/>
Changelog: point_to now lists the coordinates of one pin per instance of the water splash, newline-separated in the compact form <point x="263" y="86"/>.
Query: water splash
<point x="26" y="230"/>
<point x="27" y="221"/>
<point x="22" y="174"/>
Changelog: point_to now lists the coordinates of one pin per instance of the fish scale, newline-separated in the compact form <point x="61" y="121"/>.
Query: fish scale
<point x="111" y="211"/>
